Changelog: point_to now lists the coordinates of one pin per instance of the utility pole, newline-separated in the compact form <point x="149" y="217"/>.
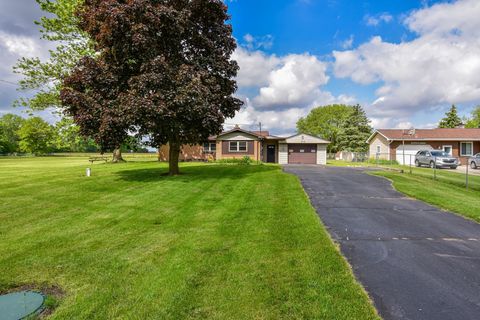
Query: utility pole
<point x="261" y="143"/>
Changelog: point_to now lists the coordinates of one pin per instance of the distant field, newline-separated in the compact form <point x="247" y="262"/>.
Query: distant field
<point x="217" y="242"/>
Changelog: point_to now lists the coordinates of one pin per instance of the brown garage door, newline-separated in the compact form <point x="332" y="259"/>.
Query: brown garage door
<point x="302" y="153"/>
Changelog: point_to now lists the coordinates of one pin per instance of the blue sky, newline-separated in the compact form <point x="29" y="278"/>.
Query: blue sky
<point x="404" y="61"/>
<point x="359" y="43"/>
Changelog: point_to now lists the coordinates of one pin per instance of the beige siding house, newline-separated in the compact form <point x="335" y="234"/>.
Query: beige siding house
<point x="379" y="145"/>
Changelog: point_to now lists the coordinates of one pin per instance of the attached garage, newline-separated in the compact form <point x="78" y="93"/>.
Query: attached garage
<point x="303" y="149"/>
<point x="302" y="154"/>
<point x="405" y="154"/>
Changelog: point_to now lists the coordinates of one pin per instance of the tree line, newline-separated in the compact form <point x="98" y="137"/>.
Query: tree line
<point x="346" y="127"/>
<point x="453" y="120"/>
<point x="36" y="136"/>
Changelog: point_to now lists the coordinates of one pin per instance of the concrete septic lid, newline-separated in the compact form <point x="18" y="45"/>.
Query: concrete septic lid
<point x="18" y="305"/>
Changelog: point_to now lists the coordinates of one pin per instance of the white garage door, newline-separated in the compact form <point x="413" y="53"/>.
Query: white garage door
<point x="407" y="157"/>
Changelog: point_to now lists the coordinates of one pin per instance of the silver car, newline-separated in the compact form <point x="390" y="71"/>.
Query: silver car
<point x="435" y="159"/>
<point x="474" y="161"/>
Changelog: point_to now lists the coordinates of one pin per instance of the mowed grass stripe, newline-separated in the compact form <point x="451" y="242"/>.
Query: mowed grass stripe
<point x="218" y="242"/>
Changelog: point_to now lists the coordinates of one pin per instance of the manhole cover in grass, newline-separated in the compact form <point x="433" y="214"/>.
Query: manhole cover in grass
<point x="18" y="305"/>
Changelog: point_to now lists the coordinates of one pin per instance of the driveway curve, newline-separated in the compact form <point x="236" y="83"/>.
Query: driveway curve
<point x="414" y="260"/>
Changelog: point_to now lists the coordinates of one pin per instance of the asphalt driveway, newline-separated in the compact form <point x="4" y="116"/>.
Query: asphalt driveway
<point x="415" y="261"/>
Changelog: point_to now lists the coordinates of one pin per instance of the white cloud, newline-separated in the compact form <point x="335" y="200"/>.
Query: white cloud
<point x="377" y="19"/>
<point x="255" y="67"/>
<point x="440" y="66"/>
<point x="278" y="121"/>
<point x="260" y="42"/>
<point x="281" y="89"/>
<point x="348" y="43"/>
<point x="404" y="125"/>
<point x="18" y="45"/>
<point x="295" y="82"/>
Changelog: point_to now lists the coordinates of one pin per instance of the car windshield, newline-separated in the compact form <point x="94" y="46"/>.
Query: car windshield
<point x="439" y="154"/>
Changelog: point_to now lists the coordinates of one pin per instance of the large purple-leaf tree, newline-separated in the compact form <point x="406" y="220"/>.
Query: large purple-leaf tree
<point x="163" y="72"/>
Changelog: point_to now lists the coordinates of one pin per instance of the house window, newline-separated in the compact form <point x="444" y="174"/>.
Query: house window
<point x="237" y="146"/>
<point x="378" y="149"/>
<point x="209" y="147"/>
<point x="466" y="148"/>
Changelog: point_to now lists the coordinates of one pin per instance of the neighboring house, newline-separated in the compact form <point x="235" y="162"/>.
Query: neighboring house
<point x="402" y="145"/>
<point x="258" y="145"/>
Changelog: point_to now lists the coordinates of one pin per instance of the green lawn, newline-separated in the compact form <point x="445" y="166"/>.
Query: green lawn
<point x="218" y="242"/>
<point x="442" y="175"/>
<point x="445" y="193"/>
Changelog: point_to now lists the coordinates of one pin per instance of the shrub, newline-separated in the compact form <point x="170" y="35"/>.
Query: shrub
<point x="246" y="160"/>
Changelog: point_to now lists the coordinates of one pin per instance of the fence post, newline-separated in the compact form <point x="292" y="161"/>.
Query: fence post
<point x="466" y="177"/>
<point x="410" y="159"/>
<point x="435" y="168"/>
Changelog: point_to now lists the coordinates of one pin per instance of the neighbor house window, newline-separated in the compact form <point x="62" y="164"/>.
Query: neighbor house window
<point x="237" y="146"/>
<point x="378" y="149"/>
<point x="466" y="148"/>
<point x="209" y="147"/>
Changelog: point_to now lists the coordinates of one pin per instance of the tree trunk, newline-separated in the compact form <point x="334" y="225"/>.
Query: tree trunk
<point x="173" y="155"/>
<point x="117" y="155"/>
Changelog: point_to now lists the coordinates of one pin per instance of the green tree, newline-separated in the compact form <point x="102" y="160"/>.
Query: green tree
<point x="68" y="138"/>
<point x="36" y="136"/>
<point x="163" y="70"/>
<point x="9" y="138"/>
<point x="327" y="122"/>
<point x="474" y="121"/>
<point x="60" y="25"/>
<point x="357" y="130"/>
<point x="451" y="119"/>
<point x="133" y="144"/>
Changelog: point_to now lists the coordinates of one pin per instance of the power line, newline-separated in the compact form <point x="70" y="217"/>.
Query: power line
<point x="9" y="82"/>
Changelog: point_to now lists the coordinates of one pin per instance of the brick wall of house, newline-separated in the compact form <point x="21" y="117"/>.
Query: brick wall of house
<point x="438" y="145"/>
<point x="187" y="153"/>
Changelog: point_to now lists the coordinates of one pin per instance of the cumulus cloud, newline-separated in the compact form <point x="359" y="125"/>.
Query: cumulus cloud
<point x="440" y="66"/>
<point x="282" y="121"/>
<point x="19" y="37"/>
<point x="296" y="81"/>
<point x="255" y="67"/>
<point x="281" y="89"/>
<point x="18" y="44"/>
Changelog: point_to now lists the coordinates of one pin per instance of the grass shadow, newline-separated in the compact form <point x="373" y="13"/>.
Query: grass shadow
<point x="194" y="172"/>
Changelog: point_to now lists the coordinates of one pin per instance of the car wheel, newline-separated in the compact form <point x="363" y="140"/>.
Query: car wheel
<point x="454" y="167"/>
<point x="417" y="163"/>
<point x="473" y="165"/>
<point x="432" y="164"/>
